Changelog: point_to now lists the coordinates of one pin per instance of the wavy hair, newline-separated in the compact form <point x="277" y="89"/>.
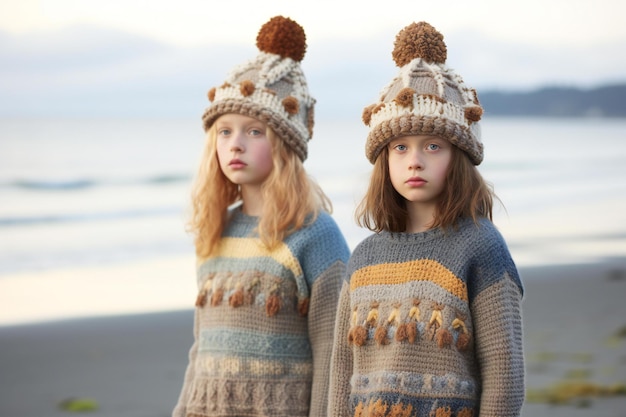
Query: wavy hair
<point x="291" y="198"/>
<point x="466" y="194"/>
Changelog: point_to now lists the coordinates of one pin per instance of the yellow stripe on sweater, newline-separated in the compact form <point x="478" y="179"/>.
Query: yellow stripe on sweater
<point x="401" y="273"/>
<point x="241" y="248"/>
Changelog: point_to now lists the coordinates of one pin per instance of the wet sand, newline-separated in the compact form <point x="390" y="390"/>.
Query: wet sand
<point x="133" y="365"/>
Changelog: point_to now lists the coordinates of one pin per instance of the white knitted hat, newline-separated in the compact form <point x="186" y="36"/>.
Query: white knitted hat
<point x="425" y="98"/>
<point x="271" y="87"/>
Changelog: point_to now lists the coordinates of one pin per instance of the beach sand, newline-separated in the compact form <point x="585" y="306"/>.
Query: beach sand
<point x="133" y="365"/>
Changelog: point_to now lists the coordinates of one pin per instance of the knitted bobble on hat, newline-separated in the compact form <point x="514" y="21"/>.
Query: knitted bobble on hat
<point x="282" y="36"/>
<point x="419" y="40"/>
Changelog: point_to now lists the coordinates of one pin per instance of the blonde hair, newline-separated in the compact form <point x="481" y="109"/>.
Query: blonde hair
<point x="466" y="194"/>
<point x="291" y="199"/>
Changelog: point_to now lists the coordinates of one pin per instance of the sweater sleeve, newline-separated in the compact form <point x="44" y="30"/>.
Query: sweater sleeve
<point x="496" y="313"/>
<point x="341" y="360"/>
<point x="180" y="408"/>
<point x="322" y="311"/>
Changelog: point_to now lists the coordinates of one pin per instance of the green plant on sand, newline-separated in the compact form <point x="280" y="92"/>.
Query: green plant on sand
<point x="577" y="393"/>
<point x="78" y="405"/>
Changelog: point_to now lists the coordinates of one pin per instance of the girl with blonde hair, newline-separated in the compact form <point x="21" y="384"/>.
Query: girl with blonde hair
<point x="270" y="258"/>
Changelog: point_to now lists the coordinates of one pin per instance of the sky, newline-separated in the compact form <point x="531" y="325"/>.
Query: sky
<point x="142" y="58"/>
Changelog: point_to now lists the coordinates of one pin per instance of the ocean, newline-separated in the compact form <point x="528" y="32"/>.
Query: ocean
<point x="114" y="192"/>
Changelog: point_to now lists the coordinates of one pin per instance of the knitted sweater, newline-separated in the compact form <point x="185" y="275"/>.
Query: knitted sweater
<point x="264" y="323"/>
<point x="429" y="325"/>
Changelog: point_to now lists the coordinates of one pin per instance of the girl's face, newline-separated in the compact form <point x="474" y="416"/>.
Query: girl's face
<point x="418" y="167"/>
<point x="244" y="151"/>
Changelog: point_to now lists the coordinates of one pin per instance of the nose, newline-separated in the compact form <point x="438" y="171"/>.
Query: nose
<point x="237" y="144"/>
<point x="416" y="162"/>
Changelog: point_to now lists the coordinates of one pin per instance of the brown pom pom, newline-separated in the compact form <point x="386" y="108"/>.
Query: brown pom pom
<point x="419" y="40"/>
<point x="443" y="337"/>
<point x="201" y="299"/>
<point x="236" y="298"/>
<point x="303" y="307"/>
<point x="405" y="97"/>
<point x="282" y="36"/>
<point x="381" y="335"/>
<point x="272" y="305"/>
<point x="473" y="113"/>
<point x="291" y="105"/>
<point x="402" y="333"/>
<point x="411" y="331"/>
<point x="367" y="114"/>
<point x="359" y="335"/>
<point x="217" y="297"/>
<point x="246" y="87"/>
<point x="463" y="342"/>
<point x="211" y="94"/>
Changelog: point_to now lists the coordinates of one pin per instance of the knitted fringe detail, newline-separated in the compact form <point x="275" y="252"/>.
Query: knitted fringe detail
<point x="409" y="327"/>
<point x="239" y="294"/>
<point x="245" y="397"/>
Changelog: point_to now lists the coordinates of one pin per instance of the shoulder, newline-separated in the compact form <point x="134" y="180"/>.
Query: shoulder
<point x="323" y="230"/>
<point x="485" y="238"/>
<point x="488" y="254"/>
<point x="372" y="250"/>
<point x="324" y="224"/>
<point x="319" y="244"/>
<point x="483" y="227"/>
<point x="472" y="237"/>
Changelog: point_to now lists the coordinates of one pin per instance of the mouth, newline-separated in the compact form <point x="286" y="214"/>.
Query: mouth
<point x="415" y="181"/>
<point x="237" y="163"/>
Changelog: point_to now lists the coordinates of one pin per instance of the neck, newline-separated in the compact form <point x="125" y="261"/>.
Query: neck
<point x="420" y="218"/>
<point x="252" y="198"/>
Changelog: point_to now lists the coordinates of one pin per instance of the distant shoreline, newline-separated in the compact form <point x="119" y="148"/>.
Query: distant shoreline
<point x="551" y="101"/>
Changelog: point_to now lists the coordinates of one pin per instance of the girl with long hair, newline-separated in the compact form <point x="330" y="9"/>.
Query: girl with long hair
<point x="429" y="317"/>
<point x="270" y="258"/>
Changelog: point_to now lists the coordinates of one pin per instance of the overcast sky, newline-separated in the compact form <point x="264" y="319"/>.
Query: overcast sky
<point x="160" y="57"/>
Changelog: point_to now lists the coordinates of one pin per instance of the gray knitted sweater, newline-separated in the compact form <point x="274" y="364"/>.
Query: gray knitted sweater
<point x="264" y="323"/>
<point x="429" y="324"/>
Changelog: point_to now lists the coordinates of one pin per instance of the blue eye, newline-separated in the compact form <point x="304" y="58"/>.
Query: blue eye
<point x="433" y="146"/>
<point x="400" y="147"/>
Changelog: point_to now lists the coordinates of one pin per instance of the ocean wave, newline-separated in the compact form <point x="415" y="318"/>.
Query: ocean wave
<point x="85" y="183"/>
<point x="11" y="221"/>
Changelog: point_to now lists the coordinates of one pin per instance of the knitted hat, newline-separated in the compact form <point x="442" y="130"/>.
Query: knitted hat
<point x="425" y="98"/>
<point x="271" y="87"/>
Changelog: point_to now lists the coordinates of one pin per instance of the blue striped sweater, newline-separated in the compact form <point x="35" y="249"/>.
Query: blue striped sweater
<point x="264" y="323"/>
